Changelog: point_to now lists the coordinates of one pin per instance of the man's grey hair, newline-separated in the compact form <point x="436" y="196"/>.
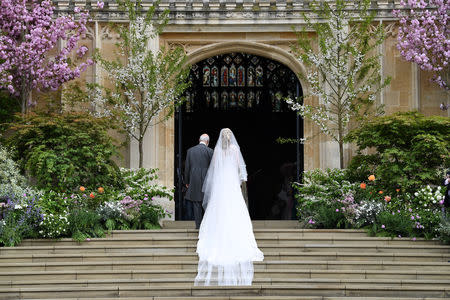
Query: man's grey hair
<point x="204" y="138"/>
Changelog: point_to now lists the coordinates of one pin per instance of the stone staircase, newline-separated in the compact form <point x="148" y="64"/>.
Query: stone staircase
<point x="299" y="264"/>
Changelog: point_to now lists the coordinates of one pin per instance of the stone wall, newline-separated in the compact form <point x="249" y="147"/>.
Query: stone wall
<point x="207" y="28"/>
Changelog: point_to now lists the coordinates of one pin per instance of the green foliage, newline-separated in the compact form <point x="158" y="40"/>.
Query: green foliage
<point x="85" y="224"/>
<point x="428" y="197"/>
<point x="8" y="107"/>
<point x="141" y="184"/>
<point x="323" y="185"/>
<point x="410" y="150"/>
<point x="392" y="224"/>
<point x="21" y="218"/>
<point x="64" y="151"/>
<point x="319" y="197"/>
<point x="54" y="202"/>
<point x="12" y="183"/>
<point x="426" y="223"/>
<point x="54" y="225"/>
<point x="444" y="229"/>
<point x="322" y="214"/>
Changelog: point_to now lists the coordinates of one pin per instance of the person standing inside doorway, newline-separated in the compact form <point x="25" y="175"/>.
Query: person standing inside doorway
<point x="196" y="167"/>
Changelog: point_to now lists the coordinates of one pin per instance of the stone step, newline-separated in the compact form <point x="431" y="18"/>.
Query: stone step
<point x="291" y="239"/>
<point x="188" y="265"/>
<point x="263" y="298"/>
<point x="324" y="290"/>
<point x="117" y="264"/>
<point x="259" y="232"/>
<point x="6" y="277"/>
<point x="78" y="256"/>
<point x="175" y="282"/>
<point x="270" y="224"/>
<point x="356" y="247"/>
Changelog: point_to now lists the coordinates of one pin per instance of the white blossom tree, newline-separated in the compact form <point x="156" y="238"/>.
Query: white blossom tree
<point x="344" y="72"/>
<point x="149" y="85"/>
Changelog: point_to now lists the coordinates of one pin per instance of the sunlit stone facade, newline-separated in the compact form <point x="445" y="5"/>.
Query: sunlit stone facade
<point x="205" y="28"/>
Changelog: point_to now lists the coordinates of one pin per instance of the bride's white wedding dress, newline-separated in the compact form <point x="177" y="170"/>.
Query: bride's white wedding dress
<point x="226" y="245"/>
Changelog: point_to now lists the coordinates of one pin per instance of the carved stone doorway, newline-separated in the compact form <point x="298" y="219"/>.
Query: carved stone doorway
<point x="244" y="92"/>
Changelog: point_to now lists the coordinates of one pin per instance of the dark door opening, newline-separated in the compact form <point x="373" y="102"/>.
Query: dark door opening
<point x="243" y="92"/>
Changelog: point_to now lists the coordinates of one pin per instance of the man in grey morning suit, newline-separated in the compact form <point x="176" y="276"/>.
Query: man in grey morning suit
<point x="196" y="167"/>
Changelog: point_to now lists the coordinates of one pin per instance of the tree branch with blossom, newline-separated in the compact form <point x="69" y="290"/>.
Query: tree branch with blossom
<point x="344" y="73"/>
<point x="424" y="37"/>
<point x="149" y="85"/>
<point x="28" y="33"/>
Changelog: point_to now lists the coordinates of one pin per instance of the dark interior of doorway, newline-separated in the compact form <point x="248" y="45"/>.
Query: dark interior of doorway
<point x="271" y="165"/>
<point x="244" y="92"/>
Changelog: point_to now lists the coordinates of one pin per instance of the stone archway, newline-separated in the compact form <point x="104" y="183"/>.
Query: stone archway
<point x="259" y="107"/>
<point x="261" y="49"/>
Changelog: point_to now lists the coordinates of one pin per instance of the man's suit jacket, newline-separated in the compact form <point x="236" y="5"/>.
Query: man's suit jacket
<point x="196" y="167"/>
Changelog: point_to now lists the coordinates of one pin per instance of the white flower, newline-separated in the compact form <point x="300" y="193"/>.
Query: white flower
<point x="416" y="194"/>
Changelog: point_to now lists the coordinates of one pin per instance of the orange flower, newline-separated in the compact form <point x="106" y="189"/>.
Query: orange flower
<point x="387" y="198"/>
<point x="397" y="190"/>
<point x="372" y="177"/>
<point x="101" y="190"/>
<point x="82" y="188"/>
<point x="92" y="195"/>
<point x="362" y="185"/>
<point x="380" y="192"/>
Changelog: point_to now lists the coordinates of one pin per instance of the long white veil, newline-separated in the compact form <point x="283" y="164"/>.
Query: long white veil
<point x="226" y="247"/>
<point x="227" y="157"/>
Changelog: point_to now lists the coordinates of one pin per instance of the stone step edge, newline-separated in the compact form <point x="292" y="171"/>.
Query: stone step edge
<point x="192" y="238"/>
<point x="236" y="288"/>
<point x="183" y="230"/>
<point x="193" y="270"/>
<point x="195" y="262"/>
<point x="258" y="281"/>
<point x="193" y="254"/>
<point x="256" y="298"/>
<point x="91" y="246"/>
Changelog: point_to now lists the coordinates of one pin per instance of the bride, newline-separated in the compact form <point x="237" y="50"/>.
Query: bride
<point x="226" y="245"/>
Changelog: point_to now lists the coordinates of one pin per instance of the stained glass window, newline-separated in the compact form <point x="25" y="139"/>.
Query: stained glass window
<point x="241" y="82"/>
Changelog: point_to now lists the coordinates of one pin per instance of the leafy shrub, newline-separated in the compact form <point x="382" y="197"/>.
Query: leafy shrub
<point x="426" y="223"/>
<point x="141" y="184"/>
<point x="444" y="229"/>
<point x="323" y="185"/>
<point x="428" y="197"/>
<point x="409" y="150"/>
<point x="20" y="220"/>
<point x="54" y="226"/>
<point x="321" y="198"/>
<point x="85" y="224"/>
<point x="64" y="151"/>
<point x="12" y="183"/>
<point x="367" y="211"/>
<point x="8" y="107"/>
<point x="392" y="224"/>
